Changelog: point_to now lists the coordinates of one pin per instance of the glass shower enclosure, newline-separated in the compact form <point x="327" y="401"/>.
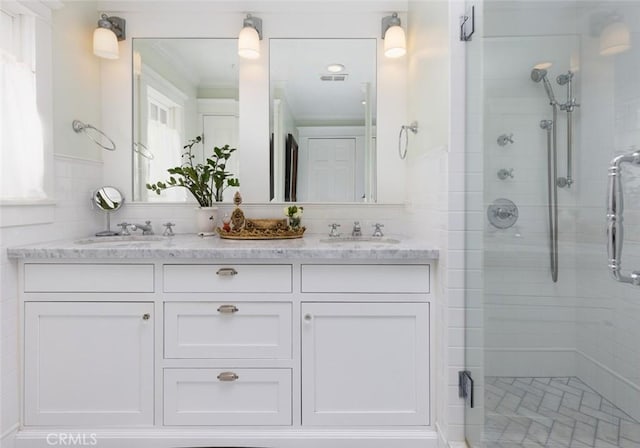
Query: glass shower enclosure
<point x="553" y="132"/>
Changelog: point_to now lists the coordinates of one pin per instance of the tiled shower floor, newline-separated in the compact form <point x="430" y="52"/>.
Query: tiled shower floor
<point x="553" y="412"/>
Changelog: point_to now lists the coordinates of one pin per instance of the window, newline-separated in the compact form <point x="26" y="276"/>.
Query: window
<point x="21" y="131"/>
<point x="164" y="138"/>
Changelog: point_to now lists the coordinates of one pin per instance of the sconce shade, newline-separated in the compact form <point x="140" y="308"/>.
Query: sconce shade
<point x="395" y="44"/>
<point x="615" y="38"/>
<point x="105" y="43"/>
<point x="249" y="43"/>
<point x="250" y="37"/>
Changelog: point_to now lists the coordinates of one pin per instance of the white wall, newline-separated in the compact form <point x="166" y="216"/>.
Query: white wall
<point x="75" y="171"/>
<point x="76" y="79"/>
<point x="435" y="188"/>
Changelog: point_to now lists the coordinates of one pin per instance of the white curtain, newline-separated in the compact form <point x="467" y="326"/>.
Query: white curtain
<point x="22" y="152"/>
<point x="165" y="145"/>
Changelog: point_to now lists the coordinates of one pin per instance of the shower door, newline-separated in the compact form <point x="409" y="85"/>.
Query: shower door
<point x="553" y="363"/>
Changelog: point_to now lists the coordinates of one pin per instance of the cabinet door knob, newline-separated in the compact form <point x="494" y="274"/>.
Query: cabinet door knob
<point x="227" y="272"/>
<point x="228" y="309"/>
<point x="307" y="318"/>
<point x="228" y="376"/>
<point x="146" y="316"/>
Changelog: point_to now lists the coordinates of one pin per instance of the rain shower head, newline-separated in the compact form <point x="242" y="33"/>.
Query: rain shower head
<point x="539" y="74"/>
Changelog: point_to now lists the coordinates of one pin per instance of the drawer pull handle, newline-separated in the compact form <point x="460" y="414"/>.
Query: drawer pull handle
<point x="228" y="309"/>
<point x="228" y="376"/>
<point x="227" y="272"/>
<point x="146" y="316"/>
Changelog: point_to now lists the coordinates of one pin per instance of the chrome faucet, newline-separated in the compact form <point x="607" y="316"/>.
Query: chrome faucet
<point x="146" y="228"/>
<point x="357" y="230"/>
<point x="333" y="233"/>
<point x="377" y="232"/>
<point x="125" y="228"/>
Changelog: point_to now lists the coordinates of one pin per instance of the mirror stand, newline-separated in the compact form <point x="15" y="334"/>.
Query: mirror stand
<point x="107" y="232"/>
<point x="107" y="199"/>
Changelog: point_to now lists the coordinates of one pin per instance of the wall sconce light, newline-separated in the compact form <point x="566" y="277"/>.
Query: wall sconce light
<point x="395" y="43"/>
<point x="105" y="38"/>
<point x="614" y="37"/>
<point x="250" y="37"/>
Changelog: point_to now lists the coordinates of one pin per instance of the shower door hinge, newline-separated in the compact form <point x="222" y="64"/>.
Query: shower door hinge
<point x="465" y="387"/>
<point x="464" y="20"/>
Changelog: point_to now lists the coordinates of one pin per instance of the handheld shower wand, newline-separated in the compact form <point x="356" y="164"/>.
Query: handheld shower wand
<point x="550" y="126"/>
<point x="539" y="74"/>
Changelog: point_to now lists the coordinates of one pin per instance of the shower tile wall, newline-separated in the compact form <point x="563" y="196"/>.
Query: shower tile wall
<point x="529" y="320"/>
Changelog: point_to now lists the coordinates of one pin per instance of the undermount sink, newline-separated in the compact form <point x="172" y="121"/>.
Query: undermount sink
<point x="122" y="239"/>
<point x="360" y="239"/>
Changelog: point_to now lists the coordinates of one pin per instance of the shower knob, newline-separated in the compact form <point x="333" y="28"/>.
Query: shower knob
<point x="503" y="173"/>
<point x="504" y="139"/>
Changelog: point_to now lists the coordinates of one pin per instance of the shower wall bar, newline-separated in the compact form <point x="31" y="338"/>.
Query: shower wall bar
<point x="615" y="210"/>
<point x="569" y="107"/>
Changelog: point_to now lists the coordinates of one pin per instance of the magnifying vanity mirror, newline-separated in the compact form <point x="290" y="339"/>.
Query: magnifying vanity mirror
<point x="108" y="199"/>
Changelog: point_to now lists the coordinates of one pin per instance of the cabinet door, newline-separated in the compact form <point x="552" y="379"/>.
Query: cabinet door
<point x="365" y="364"/>
<point x="88" y="364"/>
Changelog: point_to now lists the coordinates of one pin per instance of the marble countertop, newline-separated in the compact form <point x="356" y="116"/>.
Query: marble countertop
<point x="191" y="246"/>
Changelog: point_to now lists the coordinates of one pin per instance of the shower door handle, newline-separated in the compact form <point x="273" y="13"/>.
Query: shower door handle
<point x="615" y="211"/>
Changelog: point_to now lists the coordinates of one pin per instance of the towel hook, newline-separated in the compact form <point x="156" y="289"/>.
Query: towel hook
<point x="413" y="127"/>
<point x="78" y="126"/>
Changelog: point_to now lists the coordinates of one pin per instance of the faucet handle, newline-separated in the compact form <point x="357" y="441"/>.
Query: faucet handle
<point x="168" y="231"/>
<point x="125" y="228"/>
<point x="334" y="229"/>
<point x="377" y="231"/>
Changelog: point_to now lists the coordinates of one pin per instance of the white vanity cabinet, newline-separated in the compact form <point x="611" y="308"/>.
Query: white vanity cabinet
<point x="88" y="364"/>
<point x="365" y="364"/>
<point x="365" y="347"/>
<point x="229" y="360"/>
<point x="274" y="351"/>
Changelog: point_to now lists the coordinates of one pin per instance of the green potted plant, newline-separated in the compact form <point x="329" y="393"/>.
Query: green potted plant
<point x="205" y="181"/>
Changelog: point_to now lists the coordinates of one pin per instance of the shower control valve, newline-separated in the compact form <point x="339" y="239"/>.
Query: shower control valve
<point x="504" y="173"/>
<point x="504" y="139"/>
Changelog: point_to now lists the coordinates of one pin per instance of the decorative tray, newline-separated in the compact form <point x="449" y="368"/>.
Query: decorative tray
<point x="261" y="234"/>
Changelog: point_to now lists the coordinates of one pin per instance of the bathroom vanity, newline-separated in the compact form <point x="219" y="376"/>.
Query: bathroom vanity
<point x="184" y="341"/>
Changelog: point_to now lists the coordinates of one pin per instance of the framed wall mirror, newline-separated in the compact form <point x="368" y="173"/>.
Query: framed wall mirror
<point x="322" y="120"/>
<point x="182" y="88"/>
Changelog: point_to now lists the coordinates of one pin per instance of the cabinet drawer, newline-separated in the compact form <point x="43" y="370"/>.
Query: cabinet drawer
<point x="204" y="397"/>
<point x="80" y="277"/>
<point x="227" y="330"/>
<point x="347" y="278"/>
<point x="246" y="278"/>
